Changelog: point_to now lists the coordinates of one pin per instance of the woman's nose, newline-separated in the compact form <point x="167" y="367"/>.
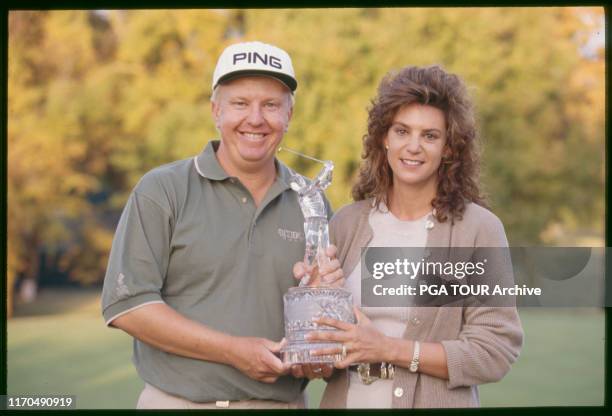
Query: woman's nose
<point x="414" y="144"/>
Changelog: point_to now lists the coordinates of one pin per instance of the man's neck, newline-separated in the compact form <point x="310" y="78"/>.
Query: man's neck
<point x="258" y="184"/>
<point x="257" y="179"/>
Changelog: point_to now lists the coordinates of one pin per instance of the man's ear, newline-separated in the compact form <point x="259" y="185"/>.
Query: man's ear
<point x="289" y="115"/>
<point x="214" y="110"/>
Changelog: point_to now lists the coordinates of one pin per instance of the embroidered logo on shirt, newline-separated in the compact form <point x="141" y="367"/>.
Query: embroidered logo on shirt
<point x="122" y="290"/>
<point x="290" y="235"/>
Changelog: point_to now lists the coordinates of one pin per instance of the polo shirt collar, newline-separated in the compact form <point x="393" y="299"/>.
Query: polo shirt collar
<point x="207" y="165"/>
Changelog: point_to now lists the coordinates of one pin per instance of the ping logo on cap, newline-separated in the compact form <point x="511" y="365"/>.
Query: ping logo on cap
<point x="253" y="57"/>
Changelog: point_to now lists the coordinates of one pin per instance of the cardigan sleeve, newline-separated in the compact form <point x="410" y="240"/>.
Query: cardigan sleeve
<point x="490" y="338"/>
<point x="489" y="342"/>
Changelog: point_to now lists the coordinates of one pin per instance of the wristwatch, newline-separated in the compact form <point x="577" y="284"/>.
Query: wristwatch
<point x="414" y="364"/>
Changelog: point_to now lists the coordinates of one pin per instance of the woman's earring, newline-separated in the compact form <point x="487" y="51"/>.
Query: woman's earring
<point x="386" y="147"/>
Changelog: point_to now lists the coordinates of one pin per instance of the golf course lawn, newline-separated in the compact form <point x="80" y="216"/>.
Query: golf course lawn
<point x="60" y="345"/>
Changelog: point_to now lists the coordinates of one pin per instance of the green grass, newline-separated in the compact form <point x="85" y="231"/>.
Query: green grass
<point x="60" y="345"/>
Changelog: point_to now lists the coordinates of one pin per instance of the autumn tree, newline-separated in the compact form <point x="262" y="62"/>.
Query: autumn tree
<point x="97" y="98"/>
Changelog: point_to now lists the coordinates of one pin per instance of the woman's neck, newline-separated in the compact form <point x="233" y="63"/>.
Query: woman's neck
<point x="409" y="204"/>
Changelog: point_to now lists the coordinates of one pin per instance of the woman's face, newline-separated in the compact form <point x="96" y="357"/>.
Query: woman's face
<point x="415" y="143"/>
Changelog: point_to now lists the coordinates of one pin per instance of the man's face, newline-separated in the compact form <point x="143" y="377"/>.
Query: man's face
<point x="252" y="115"/>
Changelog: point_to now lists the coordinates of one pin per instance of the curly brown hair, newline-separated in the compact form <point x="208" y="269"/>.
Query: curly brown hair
<point x="459" y="171"/>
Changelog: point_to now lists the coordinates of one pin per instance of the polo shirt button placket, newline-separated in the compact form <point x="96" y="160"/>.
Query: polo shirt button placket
<point x="244" y="199"/>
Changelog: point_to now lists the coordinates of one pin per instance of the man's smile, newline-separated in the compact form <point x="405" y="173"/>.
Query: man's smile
<point x="252" y="136"/>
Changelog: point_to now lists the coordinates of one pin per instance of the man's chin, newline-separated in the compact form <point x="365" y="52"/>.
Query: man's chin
<point x="256" y="155"/>
<point x="257" y="158"/>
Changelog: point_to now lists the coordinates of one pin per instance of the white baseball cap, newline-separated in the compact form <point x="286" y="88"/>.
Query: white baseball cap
<point x="254" y="58"/>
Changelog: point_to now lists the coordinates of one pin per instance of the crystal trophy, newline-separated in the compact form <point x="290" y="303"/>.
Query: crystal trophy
<point x="304" y="303"/>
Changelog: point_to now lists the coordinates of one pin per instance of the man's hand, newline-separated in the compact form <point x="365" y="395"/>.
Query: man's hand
<point x="162" y="327"/>
<point x="329" y="274"/>
<point x="256" y="357"/>
<point x="311" y="371"/>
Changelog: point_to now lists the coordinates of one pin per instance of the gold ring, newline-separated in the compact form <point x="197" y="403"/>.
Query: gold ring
<point x="343" y="352"/>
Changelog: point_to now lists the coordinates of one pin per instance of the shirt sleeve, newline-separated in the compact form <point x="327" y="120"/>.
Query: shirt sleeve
<point x="139" y="257"/>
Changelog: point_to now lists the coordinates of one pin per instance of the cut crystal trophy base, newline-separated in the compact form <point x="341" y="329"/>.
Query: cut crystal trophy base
<point x="302" y="306"/>
<point x="300" y="354"/>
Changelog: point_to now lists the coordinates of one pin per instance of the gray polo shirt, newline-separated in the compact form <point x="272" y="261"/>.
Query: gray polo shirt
<point x="192" y="237"/>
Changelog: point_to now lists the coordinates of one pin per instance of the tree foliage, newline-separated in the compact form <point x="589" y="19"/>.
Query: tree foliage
<point x="98" y="98"/>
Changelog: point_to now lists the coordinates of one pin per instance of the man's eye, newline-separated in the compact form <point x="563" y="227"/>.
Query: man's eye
<point x="272" y="105"/>
<point x="239" y="103"/>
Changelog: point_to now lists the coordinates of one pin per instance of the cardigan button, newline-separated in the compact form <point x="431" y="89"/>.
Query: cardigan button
<point x="398" y="392"/>
<point x="415" y="320"/>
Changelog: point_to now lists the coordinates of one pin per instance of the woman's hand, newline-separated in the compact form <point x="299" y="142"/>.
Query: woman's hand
<point x="366" y="344"/>
<point x="363" y="342"/>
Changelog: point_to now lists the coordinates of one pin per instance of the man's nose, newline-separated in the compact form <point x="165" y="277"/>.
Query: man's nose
<point x="255" y="116"/>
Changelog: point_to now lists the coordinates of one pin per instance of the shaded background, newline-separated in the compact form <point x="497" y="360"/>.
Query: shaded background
<point x="97" y="98"/>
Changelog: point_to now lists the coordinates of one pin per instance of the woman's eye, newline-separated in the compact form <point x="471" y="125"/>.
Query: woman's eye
<point x="401" y="132"/>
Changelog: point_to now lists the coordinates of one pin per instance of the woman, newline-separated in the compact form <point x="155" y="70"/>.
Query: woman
<point x="418" y="187"/>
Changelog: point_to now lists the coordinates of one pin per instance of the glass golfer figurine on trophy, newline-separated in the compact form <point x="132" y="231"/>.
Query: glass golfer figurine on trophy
<point x="305" y="303"/>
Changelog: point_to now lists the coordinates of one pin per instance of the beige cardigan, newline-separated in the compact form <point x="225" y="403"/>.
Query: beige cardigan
<point x="481" y="343"/>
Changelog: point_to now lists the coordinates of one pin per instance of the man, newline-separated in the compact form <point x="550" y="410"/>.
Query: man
<point x="204" y="252"/>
